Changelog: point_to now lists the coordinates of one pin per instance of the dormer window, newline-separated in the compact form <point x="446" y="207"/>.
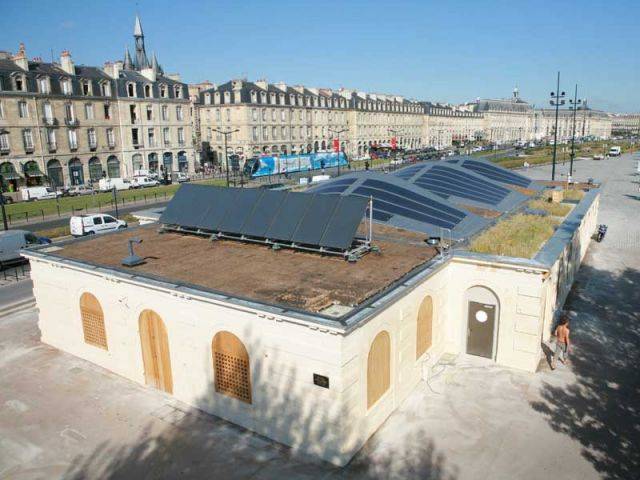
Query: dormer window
<point x="86" y="87"/>
<point x="105" y="88"/>
<point x="147" y="91"/>
<point x="207" y="98"/>
<point x="216" y="98"/>
<point x="227" y="97"/>
<point x="163" y="91"/>
<point x="131" y="89"/>
<point x="43" y="85"/>
<point x="177" y="91"/>
<point x="263" y="97"/>
<point x="254" y="96"/>
<point x="20" y="83"/>
<point x="65" y="85"/>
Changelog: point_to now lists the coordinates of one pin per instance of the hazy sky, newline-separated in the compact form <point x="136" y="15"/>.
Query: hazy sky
<point x="448" y="51"/>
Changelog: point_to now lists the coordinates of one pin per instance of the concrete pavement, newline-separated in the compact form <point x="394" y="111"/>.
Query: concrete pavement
<point x="62" y="417"/>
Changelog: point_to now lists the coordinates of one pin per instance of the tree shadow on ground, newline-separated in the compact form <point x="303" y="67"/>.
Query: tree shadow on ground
<point x="191" y="444"/>
<point x="600" y="410"/>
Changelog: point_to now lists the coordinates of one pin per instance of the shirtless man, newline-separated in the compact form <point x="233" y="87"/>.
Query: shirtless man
<point x="562" y="341"/>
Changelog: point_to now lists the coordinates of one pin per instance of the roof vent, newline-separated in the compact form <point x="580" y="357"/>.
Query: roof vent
<point x="133" y="260"/>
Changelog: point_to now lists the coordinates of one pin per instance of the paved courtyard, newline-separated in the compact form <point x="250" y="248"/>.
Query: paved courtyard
<point x="62" y="417"/>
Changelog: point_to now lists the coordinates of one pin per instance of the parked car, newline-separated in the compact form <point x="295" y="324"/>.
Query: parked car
<point x="181" y="177"/>
<point x="598" y="157"/>
<point x="13" y="241"/>
<point x="80" y="190"/>
<point x="81" y="225"/>
<point x="106" y="184"/>
<point x="142" y="182"/>
<point x="38" y="193"/>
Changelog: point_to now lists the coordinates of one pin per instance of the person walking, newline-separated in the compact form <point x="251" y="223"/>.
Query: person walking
<point x="562" y="341"/>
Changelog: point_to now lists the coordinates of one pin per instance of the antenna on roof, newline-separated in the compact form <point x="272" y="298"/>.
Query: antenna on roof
<point x="133" y="260"/>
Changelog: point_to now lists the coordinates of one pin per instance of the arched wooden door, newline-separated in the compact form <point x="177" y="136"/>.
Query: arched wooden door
<point x="378" y="368"/>
<point x="155" y="351"/>
<point x="424" y="337"/>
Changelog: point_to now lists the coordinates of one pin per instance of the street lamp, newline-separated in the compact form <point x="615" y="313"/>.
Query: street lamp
<point x="557" y="99"/>
<point x="574" y="103"/>
<point x="226" y="133"/>
<point x="4" y="213"/>
<point x="338" y="132"/>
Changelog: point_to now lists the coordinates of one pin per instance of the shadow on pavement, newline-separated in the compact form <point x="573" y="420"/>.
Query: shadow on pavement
<point x="600" y="410"/>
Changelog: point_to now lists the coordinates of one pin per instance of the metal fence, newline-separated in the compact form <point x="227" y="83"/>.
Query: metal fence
<point x="15" y="273"/>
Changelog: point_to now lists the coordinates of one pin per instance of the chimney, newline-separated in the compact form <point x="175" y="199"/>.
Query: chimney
<point x="66" y="63"/>
<point x="262" y="83"/>
<point x="282" y="86"/>
<point x="20" y="58"/>
<point x="175" y="77"/>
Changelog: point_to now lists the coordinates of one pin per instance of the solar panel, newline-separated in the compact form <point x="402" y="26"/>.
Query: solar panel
<point x="317" y="220"/>
<point x="450" y="181"/>
<point x="289" y="216"/>
<point x="263" y="214"/>
<point x="239" y="211"/>
<point x="343" y="226"/>
<point x="184" y="207"/>
<point x="497" y="173"/>
<point x="312" y="226"/>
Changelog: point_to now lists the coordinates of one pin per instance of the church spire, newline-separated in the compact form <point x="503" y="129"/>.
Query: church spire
<point x="137" y="29"/>
<point x="141" y="55"/>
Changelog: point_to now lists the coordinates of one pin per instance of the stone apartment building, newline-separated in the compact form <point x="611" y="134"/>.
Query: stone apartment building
<point x="278" y="118"/>
<point x="444" y="125"/>
<point x="505" y="120"/>
<point x="625" y="123"/>
<point x="63" y="124"/>
<point x="588" y="123"/>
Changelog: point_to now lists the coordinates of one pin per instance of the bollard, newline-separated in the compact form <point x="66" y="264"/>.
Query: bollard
<point x="145" y="198"/>
<point x="26" y="214"/>
<point x="58" y="207"/>
<point x="42" y="211"/>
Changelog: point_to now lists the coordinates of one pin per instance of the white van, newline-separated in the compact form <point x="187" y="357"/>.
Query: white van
<point x="142" y="182"/>
<point x="13" y="241"/>
<point x="38" y="193"/>
<point x="615" y="151"/>
<point x="106" y="184"/>
<point x="97" y="223"/>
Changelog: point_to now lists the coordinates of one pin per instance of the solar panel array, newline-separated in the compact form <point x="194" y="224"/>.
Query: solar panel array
<point x="328" y="221"/>
<point x="446" y="181"/>
<point x="496" y="173"/>
<point x="399" y="203"/>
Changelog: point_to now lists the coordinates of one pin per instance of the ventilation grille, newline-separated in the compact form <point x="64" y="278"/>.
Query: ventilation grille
<point x="232" y="376"/>
<point x="93" y="328"/>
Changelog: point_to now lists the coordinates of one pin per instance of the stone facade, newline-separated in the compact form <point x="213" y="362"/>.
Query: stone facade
<point x="62" y="124"/>
<point x="625" y="123"/>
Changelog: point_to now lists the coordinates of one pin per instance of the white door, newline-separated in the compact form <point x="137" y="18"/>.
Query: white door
<point x="110" y="223"/>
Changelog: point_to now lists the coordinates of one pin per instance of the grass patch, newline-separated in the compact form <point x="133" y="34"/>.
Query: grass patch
<point x="518" y="236"/>
<point x="102" y="201"/>
<point x="552" y="208"/>
<point x="55" y="232"/>
<point x="573" y="194"/>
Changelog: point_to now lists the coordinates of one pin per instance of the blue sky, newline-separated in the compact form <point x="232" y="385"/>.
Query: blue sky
<point x="450" y="51"/>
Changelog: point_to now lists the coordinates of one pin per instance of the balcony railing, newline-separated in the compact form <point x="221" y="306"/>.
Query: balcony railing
<point x="52" y="147"/>
<point x="73" y="146"/>
<point x="93" y="147"/>
<point x="29" y="149"/>
<point x="50" y="122"/>
<point x="4" y="150"/>
<point x="71" y="122"/>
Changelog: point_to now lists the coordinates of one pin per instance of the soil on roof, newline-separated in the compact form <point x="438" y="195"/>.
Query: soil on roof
<point x="307" y="281"/>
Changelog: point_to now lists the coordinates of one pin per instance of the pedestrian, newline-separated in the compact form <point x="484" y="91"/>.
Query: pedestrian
<point x="562" y="341"/>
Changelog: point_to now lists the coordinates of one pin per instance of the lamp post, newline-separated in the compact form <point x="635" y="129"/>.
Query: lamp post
<point x="574" y="103"/>
<point x="557" y="99"/>
<point x="338" y="132"/>
<point x="226" y="133"/>
<point x="4" y="213"/>
<point x="393" y="132"/>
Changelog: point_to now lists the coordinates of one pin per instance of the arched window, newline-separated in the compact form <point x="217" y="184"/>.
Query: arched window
<point x="424" y="327"/>
<point x="93" y="321"/>
<point x="95" y="169"/>
<point x="231" y="368"/>
<point x="113" y="167"/>
<point x="378" y="368"/>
